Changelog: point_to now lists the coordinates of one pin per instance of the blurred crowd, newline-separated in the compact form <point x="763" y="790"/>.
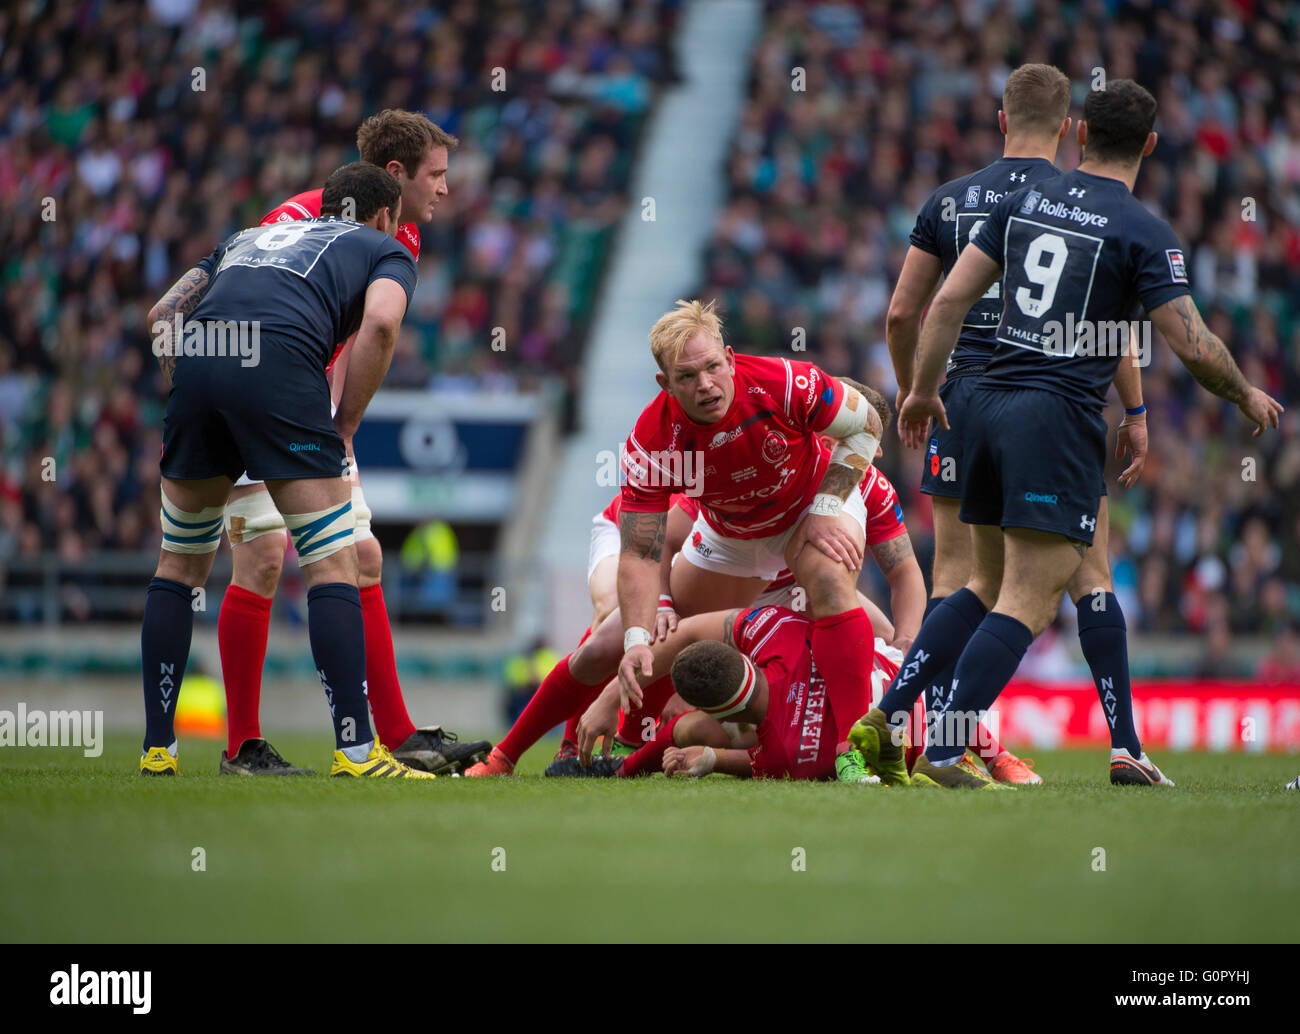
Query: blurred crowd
<point x="136" y="135"/>
<point x="857" y="112"/>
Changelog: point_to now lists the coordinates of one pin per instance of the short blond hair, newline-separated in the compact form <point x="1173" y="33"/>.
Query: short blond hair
<point x="673" y="329"/>
<point x="1036" y="99"/>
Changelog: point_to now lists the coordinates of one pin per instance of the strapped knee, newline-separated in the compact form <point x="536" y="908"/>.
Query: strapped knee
<point x="323" y="533"/>
<point x="362" y="512"/>
<point x="252" y="517"/>
<point x="192" y="533"/>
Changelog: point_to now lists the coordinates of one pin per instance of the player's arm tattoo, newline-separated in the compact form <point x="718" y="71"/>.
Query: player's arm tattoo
<point x="729" y="629"/>
<point x="893" y="552"/>
<point x="1206" y="357"/>
<point x="642" y="534"/>
<point x="839" y="481"/>
<point x="181" y="298"/>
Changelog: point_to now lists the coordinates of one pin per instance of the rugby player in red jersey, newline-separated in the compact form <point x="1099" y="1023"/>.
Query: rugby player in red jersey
<point x="771" y="496"/>
<point x="415" y="151"/>
<point x="577" y="680"/>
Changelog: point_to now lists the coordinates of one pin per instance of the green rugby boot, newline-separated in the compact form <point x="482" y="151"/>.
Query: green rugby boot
<point x="884" y="750"/>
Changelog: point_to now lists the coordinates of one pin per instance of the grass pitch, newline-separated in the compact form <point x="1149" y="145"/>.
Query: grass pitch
<point x="89" y="851"/>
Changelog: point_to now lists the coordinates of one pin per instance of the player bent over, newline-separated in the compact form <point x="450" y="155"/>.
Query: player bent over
<point x="415" y="152"/>
<point x="303" y="290"/>
<point x="1077" y="246"/>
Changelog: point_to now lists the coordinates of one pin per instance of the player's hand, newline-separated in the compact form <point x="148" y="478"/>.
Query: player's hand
<point x="665" y="622"/>
<point x="639" y="659"/>
<point x="599" y="720"/>
<point x="914" y="418"/>
<point x="1132" y="437"/>
<point x="902" y="644"/>
<point x="689" y="761"/>
<point x="1262" y="410"/>
<point x="900" y="398"/>
<point x="831" y="537"/>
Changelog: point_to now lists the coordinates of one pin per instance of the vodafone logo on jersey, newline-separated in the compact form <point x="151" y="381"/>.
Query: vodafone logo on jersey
<point x="774" y="447"/>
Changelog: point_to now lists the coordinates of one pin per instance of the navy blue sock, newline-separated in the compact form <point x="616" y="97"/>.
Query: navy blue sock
<point x="338" y="646"/>
<point x="983" y="671"/>
<point x="936" y="647"/>
<point x="937" y="691"/>
<point x="164" y="651"/>
<point x="1103" y="635"/>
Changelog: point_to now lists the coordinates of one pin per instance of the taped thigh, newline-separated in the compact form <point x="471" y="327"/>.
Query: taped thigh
<point x="193" y="533"/>
<point x="252" y="517"/>
<point x="323" y="533"/>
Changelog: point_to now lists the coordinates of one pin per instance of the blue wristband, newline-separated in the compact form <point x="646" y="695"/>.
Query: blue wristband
<point x="1136" y="412"/>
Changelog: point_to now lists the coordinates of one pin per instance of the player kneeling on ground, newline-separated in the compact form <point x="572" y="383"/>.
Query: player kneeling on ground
<point x="303" y="290"/>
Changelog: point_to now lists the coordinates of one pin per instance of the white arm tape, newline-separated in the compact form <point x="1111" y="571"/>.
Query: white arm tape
<point x="635" y="636"/>
<point x="856" y="451"/>
<point x="852" y="416"/>
<point x="826" y="505"/>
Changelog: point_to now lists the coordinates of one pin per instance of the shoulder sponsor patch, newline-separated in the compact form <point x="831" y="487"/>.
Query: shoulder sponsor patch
<point x="1030" y="202"/>
<point x="1177" y="266"/>
<point x="972" y="195"/>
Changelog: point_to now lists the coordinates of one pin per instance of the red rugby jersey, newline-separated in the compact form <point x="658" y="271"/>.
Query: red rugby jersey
<point x="796" y="739"/>
<point x="762" y="462"/>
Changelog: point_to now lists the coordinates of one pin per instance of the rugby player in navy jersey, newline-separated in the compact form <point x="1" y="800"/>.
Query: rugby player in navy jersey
<point x="1075" y="253"/>
<point x="1033" y="119"/>
<point x="300" y="288"/>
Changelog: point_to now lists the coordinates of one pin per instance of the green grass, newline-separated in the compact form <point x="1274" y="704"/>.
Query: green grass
<point x="89" y="851"/>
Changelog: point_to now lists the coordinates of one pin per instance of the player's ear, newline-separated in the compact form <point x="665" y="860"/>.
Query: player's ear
<point x="731" y="356"/>
<point x="1065" y="127"/>
<point x="1002" y="121"/>
<point x="661" y="380"/>
<point x="1083" y="134"/>
<point x="1150" y="144"/>
<point x="397" y="170"/>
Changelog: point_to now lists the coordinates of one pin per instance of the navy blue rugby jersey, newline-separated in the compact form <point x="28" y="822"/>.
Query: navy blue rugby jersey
<point x="950" y="217"/>
<point x="1078" y="253"/>
<point x="304" y="282"/>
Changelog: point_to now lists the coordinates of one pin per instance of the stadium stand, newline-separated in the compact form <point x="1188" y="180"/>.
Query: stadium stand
<point x="133" y="136"/>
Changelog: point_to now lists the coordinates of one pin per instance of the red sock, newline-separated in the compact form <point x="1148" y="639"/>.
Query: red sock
<point x="844" y="650"/>
<point x="392" y="724"/>
<point x="985" y="744"/>
<point x="243" y="624"/>
<point x="917" y="731"/>
<point x="648" y="759"/>
<point x="559" y="696"/>
<point x="632" y="729"/>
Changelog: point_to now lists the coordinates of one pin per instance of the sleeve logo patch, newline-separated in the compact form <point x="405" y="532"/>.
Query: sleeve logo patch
<point x="1030" y="203"/>
<point x="972" y="195"/>
<point x="1177" y="266"/>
